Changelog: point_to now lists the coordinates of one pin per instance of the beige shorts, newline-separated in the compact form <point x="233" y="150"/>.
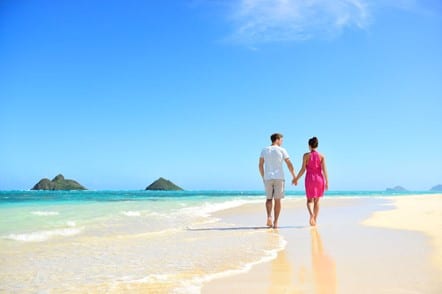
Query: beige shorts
<point x="274" y="189"/>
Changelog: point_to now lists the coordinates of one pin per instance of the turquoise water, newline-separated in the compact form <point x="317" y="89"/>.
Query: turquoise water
<point x="8" y="197"/>
<point x="159" y="239"/>
<point x="125" y="237"/>
<point x="41" y="215"/>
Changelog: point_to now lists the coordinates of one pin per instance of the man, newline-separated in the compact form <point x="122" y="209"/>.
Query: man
<point x="272" y="173"/>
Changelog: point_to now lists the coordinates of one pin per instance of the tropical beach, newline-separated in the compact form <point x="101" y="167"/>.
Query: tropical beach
<point x="214" y="242"/>
<point x="171" y="146"/>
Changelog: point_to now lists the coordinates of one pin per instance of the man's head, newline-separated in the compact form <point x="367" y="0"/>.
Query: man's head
<point x="276" y="139"/>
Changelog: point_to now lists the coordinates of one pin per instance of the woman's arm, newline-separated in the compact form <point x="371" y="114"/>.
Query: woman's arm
<point x="302" y="170"/>
<point x="324" y="172"/>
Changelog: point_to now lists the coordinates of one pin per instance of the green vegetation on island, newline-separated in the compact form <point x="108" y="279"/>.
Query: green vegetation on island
<point x="163" y="185"/>
<point x="58" y="183"/>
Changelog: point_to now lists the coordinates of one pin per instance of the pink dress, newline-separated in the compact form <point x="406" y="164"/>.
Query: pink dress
<point x="314" y="180"/>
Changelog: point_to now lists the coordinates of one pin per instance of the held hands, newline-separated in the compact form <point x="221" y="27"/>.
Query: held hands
<point x="295" y="181"/>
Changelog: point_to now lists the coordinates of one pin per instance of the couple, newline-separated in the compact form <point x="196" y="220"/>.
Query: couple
<point x="271" y="170"/>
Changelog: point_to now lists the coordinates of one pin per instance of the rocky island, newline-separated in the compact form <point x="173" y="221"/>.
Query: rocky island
<point x="58" y="183"/>
<point x="397" y="189"/>
<point x="163" y="185"/>
<point x="437" y="188"/>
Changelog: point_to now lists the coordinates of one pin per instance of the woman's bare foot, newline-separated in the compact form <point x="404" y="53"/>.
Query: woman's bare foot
<point x="312" y="221"/>
<point x="269" y="222"/>
<point x="275" y="225"/>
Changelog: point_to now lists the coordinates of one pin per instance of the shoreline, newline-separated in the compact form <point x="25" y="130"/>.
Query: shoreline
<point x="319" y="259"/>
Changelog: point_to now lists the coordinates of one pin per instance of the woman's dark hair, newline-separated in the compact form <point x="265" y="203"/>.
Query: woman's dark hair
<point x="275" y="137"/>
<point x="313" y="142"/>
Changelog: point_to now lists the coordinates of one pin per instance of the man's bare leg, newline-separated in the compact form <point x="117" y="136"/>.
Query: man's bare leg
<point x="269" y="204"/>
<point x="277" y="211"/>
<point x="310" y="208"/>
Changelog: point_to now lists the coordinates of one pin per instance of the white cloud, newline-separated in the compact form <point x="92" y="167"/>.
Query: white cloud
<point x="260" y="21"/>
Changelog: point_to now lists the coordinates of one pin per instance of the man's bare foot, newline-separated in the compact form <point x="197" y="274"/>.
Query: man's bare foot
<point x="269" y="222"/>
<point x="312" y="221"/>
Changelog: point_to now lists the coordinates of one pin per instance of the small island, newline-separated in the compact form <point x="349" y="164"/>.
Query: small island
<point x="163" y="185"/>
<point x="437" y="188"/>
<point x="58" y="183"/>
<point x="397" y="189"/>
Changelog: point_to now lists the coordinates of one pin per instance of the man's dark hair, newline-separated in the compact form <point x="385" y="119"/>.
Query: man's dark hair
<point x="313" y="142"/>
<point x="275" y="137"/>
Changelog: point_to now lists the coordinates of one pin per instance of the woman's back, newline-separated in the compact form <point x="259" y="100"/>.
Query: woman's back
<point x="314" y="163"/>
<point x="314" y="180"/>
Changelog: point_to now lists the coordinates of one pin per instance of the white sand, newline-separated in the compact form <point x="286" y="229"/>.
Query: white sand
<point x="415" y="213"/>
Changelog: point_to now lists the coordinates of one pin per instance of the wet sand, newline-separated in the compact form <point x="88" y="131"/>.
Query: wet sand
<point x="361" y="245"/>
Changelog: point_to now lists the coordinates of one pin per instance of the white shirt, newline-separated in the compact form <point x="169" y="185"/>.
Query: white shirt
<point x="274" y="156"/>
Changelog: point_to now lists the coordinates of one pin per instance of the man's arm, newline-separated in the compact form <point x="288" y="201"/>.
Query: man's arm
<point x="261" y="167"/>
<point x="291" y="168"/>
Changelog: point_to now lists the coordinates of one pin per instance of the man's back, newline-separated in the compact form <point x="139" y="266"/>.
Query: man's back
<point x="274" y="156"/>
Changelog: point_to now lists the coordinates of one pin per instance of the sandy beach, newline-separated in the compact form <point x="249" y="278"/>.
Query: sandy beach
<point x="377" y="245"/>
<point x="418" y="213"/>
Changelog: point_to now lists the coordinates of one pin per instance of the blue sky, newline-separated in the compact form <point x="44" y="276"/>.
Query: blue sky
<point x="116" y="94"/>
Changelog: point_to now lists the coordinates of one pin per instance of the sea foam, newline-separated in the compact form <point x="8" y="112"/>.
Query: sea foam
<point x="45" y="213"/>
<point x="71" y="224"/>
<point x="208" y="208"/>
<point x="131" y="213"/>
<point x="43" y="235"/>
<point x="195" y="285"/>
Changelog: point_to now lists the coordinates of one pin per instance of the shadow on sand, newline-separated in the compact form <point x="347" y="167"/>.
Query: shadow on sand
<point x="245" y="228"/>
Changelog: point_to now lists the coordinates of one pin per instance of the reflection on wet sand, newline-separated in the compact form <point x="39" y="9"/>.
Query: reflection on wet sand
<point x="285" y="278"/>
<point x="324" y="267"/>
<point x="282" y="275"/>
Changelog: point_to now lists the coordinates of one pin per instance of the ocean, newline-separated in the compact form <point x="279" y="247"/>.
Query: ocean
<point x="169" y="242"/>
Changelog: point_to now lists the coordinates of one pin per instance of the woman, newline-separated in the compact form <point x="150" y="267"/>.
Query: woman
<point x="316" y="180"/>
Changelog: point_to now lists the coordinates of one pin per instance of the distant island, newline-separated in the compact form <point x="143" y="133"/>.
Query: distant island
<point x="397" y="189"/>
<point x="163" y="185"/>
<point x="58" y="183"/>
<point x="437" y="188"/>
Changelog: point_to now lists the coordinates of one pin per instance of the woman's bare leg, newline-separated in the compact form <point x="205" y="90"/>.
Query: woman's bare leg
<point x="310" y="208"/>
<point x="316" y="208"/>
